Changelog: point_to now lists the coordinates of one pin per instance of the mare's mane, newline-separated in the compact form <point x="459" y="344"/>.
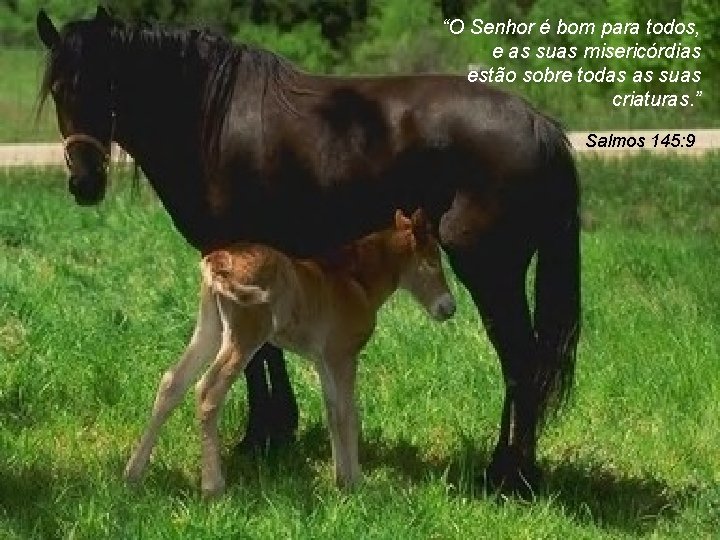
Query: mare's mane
<point x="208" y="61"/>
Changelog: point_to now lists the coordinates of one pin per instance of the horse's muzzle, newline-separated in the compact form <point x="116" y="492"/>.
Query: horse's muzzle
<point x="87" y="190"/>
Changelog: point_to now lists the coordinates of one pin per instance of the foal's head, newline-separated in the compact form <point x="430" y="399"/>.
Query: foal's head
<point x="421" y="273"/>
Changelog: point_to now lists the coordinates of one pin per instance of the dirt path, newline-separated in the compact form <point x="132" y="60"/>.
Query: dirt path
<point x="44" y="154"/>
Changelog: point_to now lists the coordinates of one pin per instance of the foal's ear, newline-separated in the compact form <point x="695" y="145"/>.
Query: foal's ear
<point x="418" y="217"/>
<point x="46" y="30"/>
<point x="420" y="224"/>
<point x="401" y="222"/>
<point x="419" y="220"/>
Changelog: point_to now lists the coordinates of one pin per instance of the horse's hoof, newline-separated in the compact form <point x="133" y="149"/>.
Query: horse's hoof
<point x="349" y="485"/>
<point x="506" y="476"/>
<point x="282" y="439"/>
<point x="213" y="490"/>
<point x="256" y="442"/>
<point x="132" y="474"/>
<point x="252" y="443"/>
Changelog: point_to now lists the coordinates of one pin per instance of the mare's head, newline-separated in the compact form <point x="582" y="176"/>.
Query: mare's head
<point x="422" y="272"/>
<point x="78" y="77"/>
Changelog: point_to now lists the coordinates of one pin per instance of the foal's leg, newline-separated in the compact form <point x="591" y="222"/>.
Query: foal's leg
<point x="337" y="375"/>
<point x="244" y="331"/>
<point x="175" y="382"/>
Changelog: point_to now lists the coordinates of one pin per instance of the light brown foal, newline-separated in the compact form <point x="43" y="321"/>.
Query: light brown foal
<point x="322" y="309"/>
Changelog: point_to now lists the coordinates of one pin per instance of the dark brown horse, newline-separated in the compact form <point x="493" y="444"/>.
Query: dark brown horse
<point x="240" y="145"/>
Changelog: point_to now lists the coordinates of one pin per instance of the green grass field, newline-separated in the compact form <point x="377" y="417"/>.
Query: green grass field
<point x="96" y="303"/>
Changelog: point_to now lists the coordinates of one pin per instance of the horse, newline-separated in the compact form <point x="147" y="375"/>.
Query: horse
<point x="324" y="309"/>
<point x="233" y="137"/>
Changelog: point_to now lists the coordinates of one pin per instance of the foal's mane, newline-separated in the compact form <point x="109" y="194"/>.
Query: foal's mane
<point x="209" y="61"/>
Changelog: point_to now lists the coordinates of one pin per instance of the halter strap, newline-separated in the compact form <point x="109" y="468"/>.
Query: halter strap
<point x="89" y="139"/>
<point x="83" y="137"/>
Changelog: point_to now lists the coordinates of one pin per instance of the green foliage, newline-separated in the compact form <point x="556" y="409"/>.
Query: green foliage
<point x="96" y="302"/>
<point x="396" y="39"/>
<point x="304" y="45"/>
<point x="396" y="36"/>
<point x="17" y="19"/>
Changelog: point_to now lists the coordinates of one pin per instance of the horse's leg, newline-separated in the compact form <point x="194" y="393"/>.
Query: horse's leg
<point x="175" y="382"/>
<point x="284" y="409"/>
<point x="337" y="376"/>
<point x="490" y="251"/>
<point x="244" y="333"/>
<point x="258" y="392"/>
<point x="496" y="282"/>
<point x="273" y="411"/>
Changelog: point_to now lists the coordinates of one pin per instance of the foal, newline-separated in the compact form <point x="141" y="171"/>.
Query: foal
<point x="322" y="309"/>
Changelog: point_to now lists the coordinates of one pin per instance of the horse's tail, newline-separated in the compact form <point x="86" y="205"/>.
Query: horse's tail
<point x="218" y="277"/>
<point x="557" y="283"/>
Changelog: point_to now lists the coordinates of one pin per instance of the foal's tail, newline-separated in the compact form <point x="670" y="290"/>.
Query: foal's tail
<point x="557" y="286"/>
<point x="218" y="276"/>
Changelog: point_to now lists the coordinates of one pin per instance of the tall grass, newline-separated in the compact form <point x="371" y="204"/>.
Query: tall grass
<point x="96" y="303"/>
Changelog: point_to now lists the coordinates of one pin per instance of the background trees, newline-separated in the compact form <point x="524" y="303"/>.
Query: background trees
<point x="380" y="36"/>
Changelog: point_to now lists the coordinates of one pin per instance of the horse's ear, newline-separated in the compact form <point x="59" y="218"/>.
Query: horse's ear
<point x="401" y="222"/>
<point x="420" y="224"/>
<point x="418" y="217"/>
<point x="46" y="30"/>
<point x="102" y="15"/>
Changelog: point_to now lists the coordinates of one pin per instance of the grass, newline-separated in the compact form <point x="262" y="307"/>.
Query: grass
<point x="21" y="71"/>
<point x="95" y="303"/>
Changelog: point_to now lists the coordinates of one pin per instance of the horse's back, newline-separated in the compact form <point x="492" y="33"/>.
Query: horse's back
<point x="335" y="156"/>
<point x="395" y="137"/>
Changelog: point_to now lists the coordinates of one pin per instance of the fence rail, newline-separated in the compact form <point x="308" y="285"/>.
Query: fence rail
<point x="705" y="140"/>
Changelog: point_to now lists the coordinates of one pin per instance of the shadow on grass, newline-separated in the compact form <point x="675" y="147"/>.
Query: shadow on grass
<point x="26" y="501"/>
<point x="587" y="493"/>
<point x="612" y="499"/>
<point x="165" y="480"/>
